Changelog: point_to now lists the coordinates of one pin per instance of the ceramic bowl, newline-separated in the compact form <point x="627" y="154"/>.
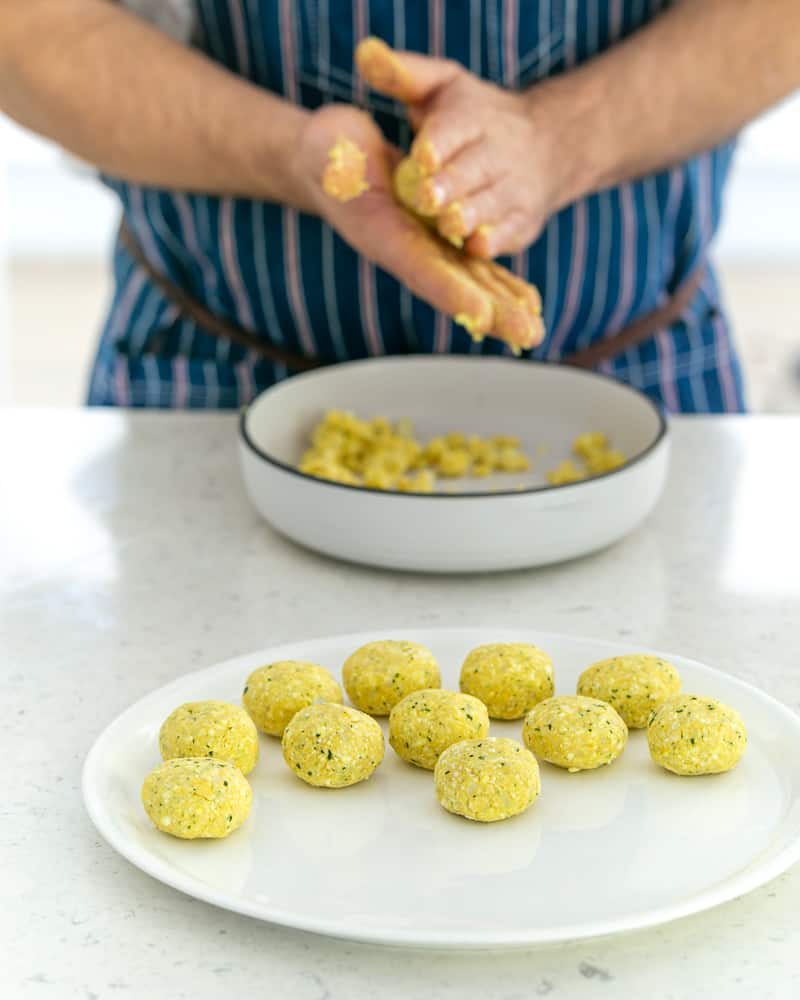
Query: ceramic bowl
<point x="504" y="522"/>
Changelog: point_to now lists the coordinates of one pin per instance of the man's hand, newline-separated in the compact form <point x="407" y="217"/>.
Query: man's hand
<point x="483" y="296"/>
<point x="665" y="93"/>
<point x="492" y="171"/>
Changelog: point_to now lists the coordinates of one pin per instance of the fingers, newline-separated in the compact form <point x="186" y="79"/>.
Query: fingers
<point x="415" y="80"/>
<point x="515" y="321"/>
<point x="442" y="136"/>
<point x="431" y="272"/>
<point x="515" y="306"/>
<point x="514" y="233"/>
<point x="450" y="224"/>
<point x="485" y="225"/>
<point x="406" y="76"/>
<point x="482" y="296"/>
<point x="518" y="287"/>
<point x="481" y="242"/>
<point x="462" y="218"/>
<point x="472" y="196"/>
<point x="463" y="175"/>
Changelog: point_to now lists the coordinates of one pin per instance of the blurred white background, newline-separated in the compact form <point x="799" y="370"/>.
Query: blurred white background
<point x="56" y="226"/>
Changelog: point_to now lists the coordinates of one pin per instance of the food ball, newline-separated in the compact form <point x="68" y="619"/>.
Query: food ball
<point x="332" y="746"/>
<point x="508" y="677"/>
<point x="487" y="779"/>
<point x="575" y="732"/>
<point x="693" y="735"/>
<point x="192" y="797"/>
<point x="274" y="693"/>
<point x="634" y="685"/>
<point x="210" y="729"/>
<point x="425" y="723"/>
<point x="379" y="674"/>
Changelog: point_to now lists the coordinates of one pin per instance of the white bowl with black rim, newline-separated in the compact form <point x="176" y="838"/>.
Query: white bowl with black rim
<point x="508" y="521"/>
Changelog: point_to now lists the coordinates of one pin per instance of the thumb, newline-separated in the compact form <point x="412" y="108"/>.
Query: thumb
<point x="406" y="76"/>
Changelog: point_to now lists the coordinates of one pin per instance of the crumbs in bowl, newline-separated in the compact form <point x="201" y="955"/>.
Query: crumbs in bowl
<point x="593" y="456"/>
<point x="383" y="455"/>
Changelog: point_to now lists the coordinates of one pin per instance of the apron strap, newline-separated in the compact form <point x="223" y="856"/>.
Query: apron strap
<point x="641" y="329"/>
<point x="635" y="333"/>
<point x="208" y="322"/>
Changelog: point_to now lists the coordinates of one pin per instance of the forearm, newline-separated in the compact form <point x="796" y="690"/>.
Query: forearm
<point x="117" y="93"/>
<point x="687" y="81"/>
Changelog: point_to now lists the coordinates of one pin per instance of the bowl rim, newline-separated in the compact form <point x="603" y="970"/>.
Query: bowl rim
<point x="249" y="443"/>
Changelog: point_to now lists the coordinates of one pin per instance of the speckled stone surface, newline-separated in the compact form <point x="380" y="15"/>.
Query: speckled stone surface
<point x="129" y="555"/>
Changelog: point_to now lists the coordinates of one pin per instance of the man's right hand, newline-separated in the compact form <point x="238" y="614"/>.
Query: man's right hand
<point x="480" y="294"/>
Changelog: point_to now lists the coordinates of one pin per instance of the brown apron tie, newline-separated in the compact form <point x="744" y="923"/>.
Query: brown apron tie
<point x="635" y="333"/>
<point x="640" y="329"/>
<point x="208" y="322"/>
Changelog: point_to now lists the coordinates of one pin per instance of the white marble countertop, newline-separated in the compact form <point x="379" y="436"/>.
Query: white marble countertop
<point x="129" y="555"/>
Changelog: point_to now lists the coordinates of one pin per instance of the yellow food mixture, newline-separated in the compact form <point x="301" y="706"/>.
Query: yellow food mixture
<point x="406" y="181"/>
<point x="424" y="724"/>
<point x="595" y="456"/>
<point x="344" y="177"/>
<point x="275" y="692"/>
<point x="635" y="685"/>
<point x="382" y="455"/>
<point x="210" y="729"/>
<point x="565" y="472"/>
<point x="487" y="779"/>
<point x="508" y="677"/>
<point x="332" y="746"/>
<point x="574" y="732"/>
<point x="194" y="797"/>
<point x="691" y="735"/>
<point x="377" y="676"/>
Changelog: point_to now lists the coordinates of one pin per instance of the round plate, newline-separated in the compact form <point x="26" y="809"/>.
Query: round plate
<point x="503" y="522"/>
<point x="624" y="847"/>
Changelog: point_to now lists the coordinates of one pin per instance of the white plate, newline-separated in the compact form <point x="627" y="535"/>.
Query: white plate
<point x="625" y="847"/>
<point x="505" y="522"/>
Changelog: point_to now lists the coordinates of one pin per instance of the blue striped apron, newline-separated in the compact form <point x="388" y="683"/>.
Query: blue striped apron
<point x="599" y="263"/>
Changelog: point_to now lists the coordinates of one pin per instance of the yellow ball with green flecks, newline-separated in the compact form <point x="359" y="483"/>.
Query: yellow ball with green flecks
<point x="197" y="797"/>
<point x="690" y="735"/>
<point x="575" y="732"/>
<point x="210" y="729"/>
<point x="274" y="693"/>
<point x="508" y="677"/>
<point x="424" y="724"/>
<point x="378" y="675"/>
<point x="635" y="685"/>
<point x="332" y="746"/>
<point x="487" y="780"/>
